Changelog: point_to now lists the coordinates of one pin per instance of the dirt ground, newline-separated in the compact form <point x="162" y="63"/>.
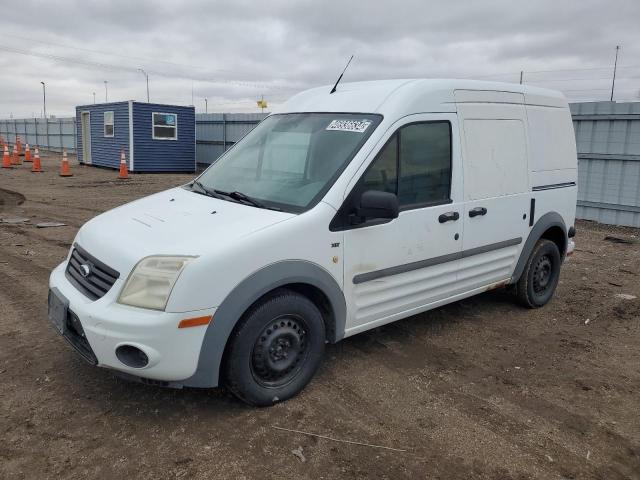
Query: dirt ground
<point x="478" y="389"/>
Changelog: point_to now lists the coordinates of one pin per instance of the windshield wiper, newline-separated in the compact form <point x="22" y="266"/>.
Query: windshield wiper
<point x="204" y="190"/>
<point x="236" y="196"/>
<point x="241" y="197"/>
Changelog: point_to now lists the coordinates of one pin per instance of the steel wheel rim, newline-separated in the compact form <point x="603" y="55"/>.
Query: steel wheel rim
<point x="542" y="274"/>
<point x="280" y="351"/>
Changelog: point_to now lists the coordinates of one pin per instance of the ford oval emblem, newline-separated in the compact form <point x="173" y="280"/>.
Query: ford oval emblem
<point x="85" y="270"/>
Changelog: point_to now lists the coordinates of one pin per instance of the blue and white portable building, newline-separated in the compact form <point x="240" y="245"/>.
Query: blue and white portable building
<point x="154" y="137"/>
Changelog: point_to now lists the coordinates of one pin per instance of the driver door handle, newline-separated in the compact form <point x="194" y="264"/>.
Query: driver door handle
<point x="449" y="217"/>
<point x="474" y="212"/>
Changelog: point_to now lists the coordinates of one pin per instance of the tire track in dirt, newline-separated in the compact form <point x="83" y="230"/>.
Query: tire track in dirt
<point x="481" y="384"/>
<point x="427" y="446"/>
<point x="48" y="204"/>
<point x="9" y="198"/>
<point x="32" y="233"/>
<point x="334" y="415"/>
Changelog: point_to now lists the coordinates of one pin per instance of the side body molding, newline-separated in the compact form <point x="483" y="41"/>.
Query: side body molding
<point x="245" y="294"/>
<point x="548" y="220"/>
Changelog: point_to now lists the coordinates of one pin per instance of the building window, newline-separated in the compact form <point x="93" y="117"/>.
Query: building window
<point x="108" y="124"/>
<point x="165" y="126"/>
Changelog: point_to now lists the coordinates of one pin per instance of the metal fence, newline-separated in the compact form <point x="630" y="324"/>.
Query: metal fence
<point x="49" y="134"/>
<point x="215" y="132"/>
<point x="608" y="141"/>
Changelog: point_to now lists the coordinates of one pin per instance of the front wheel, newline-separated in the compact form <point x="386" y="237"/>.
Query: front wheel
<point x="541" y="274"/>
<point x="276" y="349"/>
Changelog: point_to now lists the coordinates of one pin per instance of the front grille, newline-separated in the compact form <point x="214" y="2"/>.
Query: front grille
<point x="74" y="334"/>
<point x="97" y="282"/>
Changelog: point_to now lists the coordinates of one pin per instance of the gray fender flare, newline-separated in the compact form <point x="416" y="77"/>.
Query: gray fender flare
<point x="245" y="294"/>
<point x="548" y="220"/>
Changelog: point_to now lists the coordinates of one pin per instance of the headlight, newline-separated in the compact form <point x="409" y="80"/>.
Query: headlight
<point x="151" y="282"/>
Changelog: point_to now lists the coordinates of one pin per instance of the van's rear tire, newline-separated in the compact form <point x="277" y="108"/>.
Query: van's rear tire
<point x="540" y="278"/>
<point x="276" y="349"/>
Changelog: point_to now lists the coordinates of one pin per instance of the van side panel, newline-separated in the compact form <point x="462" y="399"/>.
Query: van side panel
<point x="496" y="162"/>
<point x="552" y="158"/>
<point x="553" y="161"/>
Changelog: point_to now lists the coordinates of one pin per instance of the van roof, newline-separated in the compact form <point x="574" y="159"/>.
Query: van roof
<point x="406" y="96"/>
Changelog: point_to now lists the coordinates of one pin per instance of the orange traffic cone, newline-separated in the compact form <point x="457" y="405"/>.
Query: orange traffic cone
<point x="65" y="171"/>
<point x="27" y="154"/>
<point x="36" y="167"/>
<point x="15" y="159"/>
<point x="124" y="171"/>
<point x="6" y="159"/>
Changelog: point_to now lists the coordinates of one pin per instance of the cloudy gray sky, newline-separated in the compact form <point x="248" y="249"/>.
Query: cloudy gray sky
<point x="234" y="52"/>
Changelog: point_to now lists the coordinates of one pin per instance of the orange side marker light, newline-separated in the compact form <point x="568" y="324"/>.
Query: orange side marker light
<point x="195" y="322"/>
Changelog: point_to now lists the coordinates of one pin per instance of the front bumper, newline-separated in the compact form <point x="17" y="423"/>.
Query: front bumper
<point x="106" y="325"/>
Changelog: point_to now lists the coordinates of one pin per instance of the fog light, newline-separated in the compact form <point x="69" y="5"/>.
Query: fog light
<point x="132" y="356"/>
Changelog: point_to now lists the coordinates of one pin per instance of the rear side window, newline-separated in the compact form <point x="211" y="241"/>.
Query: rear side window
<point x="415" y="164"/>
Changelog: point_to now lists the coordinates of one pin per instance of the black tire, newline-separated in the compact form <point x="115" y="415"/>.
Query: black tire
<point x="275" y="350"/>
<point x="541" y="274"/>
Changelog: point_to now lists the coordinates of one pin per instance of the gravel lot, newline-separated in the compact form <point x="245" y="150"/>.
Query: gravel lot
<point x="478" y="389"/>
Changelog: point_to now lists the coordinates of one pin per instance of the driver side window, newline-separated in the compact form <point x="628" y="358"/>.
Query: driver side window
<point x="415" y="165"/>
<point x="382" y="175"/>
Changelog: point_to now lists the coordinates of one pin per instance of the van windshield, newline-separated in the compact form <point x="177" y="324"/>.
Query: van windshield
<point x="289" y="161"/>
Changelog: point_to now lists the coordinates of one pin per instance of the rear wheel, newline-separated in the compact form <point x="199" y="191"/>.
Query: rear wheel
<point x="276" y="349"/>
<point x="541" y="274"/>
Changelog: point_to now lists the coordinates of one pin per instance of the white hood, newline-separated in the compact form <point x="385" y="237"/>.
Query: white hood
<point x="173" y="222"/>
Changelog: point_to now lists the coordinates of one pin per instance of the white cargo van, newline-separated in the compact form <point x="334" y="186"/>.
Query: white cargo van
<point x="339" y="213"/>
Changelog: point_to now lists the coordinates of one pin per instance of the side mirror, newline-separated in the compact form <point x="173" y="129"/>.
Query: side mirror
<point x="376" y="204"/>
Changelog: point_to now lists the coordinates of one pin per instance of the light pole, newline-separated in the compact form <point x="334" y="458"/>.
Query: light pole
<point x="94" y="98"/>
<point x="206" y="105"/>
<point x="44" y="99"/>
<point x="147" y="77"/>
<point x="106" y="95"/>
<point x="615" y="67"/>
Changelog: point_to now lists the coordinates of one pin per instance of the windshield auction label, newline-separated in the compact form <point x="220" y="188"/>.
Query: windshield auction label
<point x="358" y="126"/>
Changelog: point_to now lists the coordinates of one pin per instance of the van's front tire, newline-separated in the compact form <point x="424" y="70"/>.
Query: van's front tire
<point x="541" y="274"/>
<point x="276" y="349"/>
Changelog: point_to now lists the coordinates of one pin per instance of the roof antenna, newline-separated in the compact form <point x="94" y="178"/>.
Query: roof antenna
<point x="340" y="77"/>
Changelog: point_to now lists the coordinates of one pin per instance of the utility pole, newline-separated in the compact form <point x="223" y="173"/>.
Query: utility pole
<point x="147" y="77"/>
<point x="206" y="105"/>
<point x="94" y="98"/>
<point x="521" y="74"/>
<point x="615" y="66"/>
<point x="44" y="99"/>
<point x="106" y="93"/>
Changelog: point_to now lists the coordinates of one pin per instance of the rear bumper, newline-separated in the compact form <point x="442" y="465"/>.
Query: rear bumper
<point x="104" y="325"/>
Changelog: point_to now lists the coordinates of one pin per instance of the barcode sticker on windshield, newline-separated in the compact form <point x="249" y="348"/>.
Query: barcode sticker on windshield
<point x="358" y="126"/>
